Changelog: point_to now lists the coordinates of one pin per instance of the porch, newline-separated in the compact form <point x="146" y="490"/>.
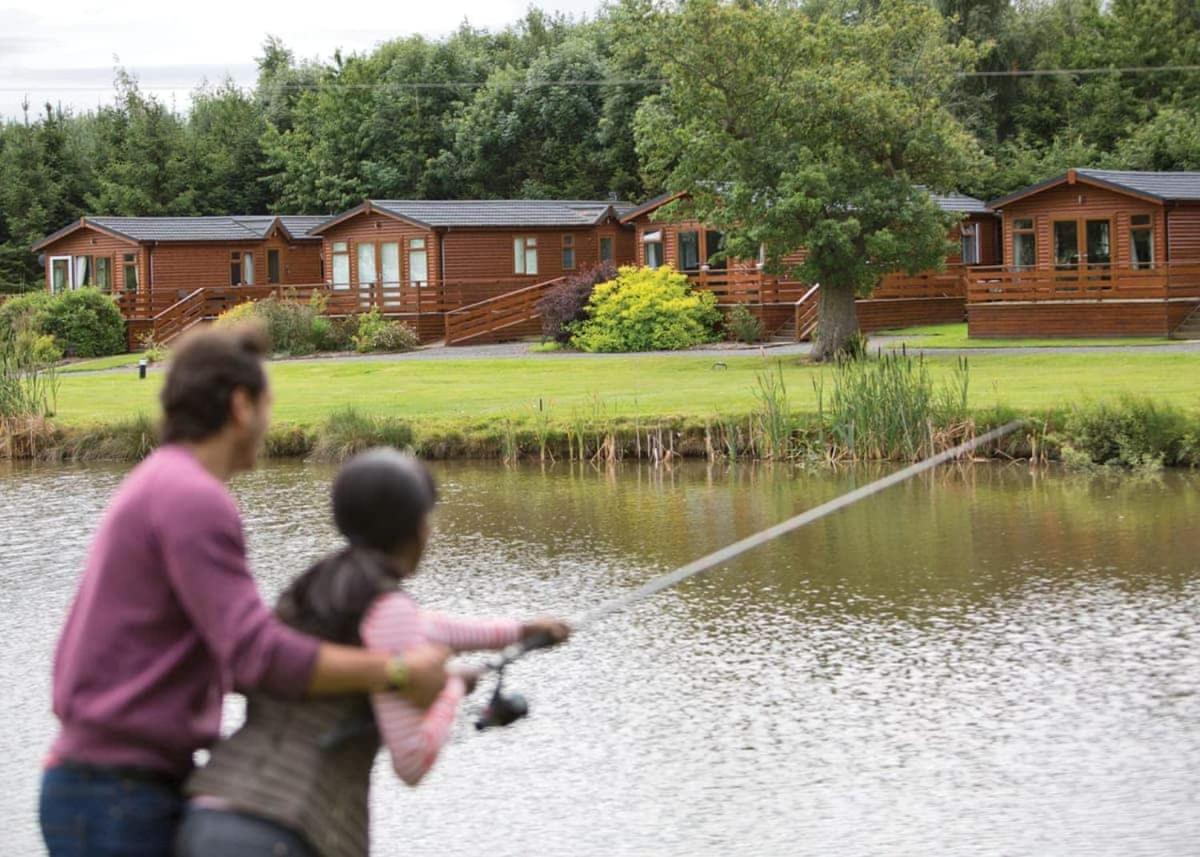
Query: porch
<point x="1090" y="300"/>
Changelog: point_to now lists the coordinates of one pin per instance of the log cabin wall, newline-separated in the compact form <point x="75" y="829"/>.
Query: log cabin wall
<point x="1183" y="233"/>
<point x="89" y="241"/>
<point x="300" y="262"/>
<point x="1082" y="202"/>
<point x="480" y="263"/>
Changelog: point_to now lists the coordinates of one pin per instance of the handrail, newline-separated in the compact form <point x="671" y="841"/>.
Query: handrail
<point x="494" y="298"/>
<point x="806" y="314"/>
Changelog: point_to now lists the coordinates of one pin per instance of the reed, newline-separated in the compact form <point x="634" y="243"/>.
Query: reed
<point x="776" y="424"/>
<point x="347" y="431"/>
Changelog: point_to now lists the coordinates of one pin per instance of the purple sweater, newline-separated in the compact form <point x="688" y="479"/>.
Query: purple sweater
<point x="166" y="620"/>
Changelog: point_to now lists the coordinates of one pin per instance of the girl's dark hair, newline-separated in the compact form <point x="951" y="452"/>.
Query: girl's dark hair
<point x="380" y="499"/>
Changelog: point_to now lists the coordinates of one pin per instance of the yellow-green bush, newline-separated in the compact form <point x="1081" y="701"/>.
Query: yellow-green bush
<point x="647" y="310"/>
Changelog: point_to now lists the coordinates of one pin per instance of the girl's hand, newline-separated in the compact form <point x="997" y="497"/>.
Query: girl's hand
<point x="555" y="629"/>
<point x="469" y="675"/>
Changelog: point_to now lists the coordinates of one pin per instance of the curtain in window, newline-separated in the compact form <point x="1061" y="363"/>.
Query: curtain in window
<point x="689" y="251"/>
<point x="389" y="253"/>
<point x="341" y="270"/>
<point x="248" y="268"/>
<point x="366" y="263"/>
<point x="81" y="272"/>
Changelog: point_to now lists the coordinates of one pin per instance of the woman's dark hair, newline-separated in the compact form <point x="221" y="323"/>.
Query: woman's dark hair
<point x="380" y="499"/>
<point x="206" y="368"/>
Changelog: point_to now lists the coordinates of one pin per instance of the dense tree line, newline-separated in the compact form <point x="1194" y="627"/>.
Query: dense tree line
<point x="550" y="107"/>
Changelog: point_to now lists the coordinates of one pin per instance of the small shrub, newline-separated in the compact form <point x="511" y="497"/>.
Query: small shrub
<point x="566" y="304"/>
<point x="153" y="350"/>
<point x="84" y="323"/>
<point x="647" y="310"/>
<point x="239" y="314"/>
<point x="743" y="325"/>
<point x="376" y="333"/>
<point x="23" y="313"/>
<point x="1136" y="434"/>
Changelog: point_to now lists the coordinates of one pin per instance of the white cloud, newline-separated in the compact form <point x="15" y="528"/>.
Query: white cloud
<point x="65" y="52"/>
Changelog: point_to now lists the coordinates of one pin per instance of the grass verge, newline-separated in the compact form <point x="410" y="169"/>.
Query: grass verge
<point x="955" y="336"/>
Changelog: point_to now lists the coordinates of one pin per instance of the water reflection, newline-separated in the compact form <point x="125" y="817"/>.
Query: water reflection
<point x="984" y="661"/>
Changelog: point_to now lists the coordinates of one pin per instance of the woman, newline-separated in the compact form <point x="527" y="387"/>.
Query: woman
<point x="294" y="780"/>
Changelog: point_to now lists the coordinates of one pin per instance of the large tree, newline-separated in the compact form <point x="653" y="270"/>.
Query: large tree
<point x="817" y="133"/>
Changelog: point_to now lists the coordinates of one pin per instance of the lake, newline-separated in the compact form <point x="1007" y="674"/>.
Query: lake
<point x="987" y="661"/>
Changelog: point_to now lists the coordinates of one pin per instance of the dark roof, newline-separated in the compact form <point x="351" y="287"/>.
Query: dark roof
<point x="500" y="212"/>
<point x="960" y="203"/>
<point x="251" y="227"/>
<point x="953" y="202"/>
<point x="1161" y="186"/>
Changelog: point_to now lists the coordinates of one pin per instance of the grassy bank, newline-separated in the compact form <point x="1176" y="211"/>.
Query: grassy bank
<point x="658" y="408"/>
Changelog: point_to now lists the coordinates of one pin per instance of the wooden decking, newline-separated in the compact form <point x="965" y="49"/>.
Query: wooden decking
<point x="1093" y="301"/>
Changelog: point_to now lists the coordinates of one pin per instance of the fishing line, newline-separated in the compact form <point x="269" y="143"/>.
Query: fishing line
<point x="503" y="709"/>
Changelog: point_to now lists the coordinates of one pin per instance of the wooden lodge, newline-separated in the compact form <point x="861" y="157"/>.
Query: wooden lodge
<point x="1089" y="253"/>
<point x="788" y="307"/>
<point x="1094" y="253"/>
<point x="466" y="270"/>
<point x="181" y="269"/>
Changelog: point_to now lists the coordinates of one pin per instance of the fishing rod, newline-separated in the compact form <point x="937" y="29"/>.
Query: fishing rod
<point x="504" y="709"/>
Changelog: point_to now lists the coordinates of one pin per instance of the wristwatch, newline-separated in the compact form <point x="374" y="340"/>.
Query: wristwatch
<point x="397" y="674"/>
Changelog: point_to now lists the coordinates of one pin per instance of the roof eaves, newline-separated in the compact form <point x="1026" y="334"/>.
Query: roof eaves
<point x="82" y="223"/>
<point x="651" y="205"/>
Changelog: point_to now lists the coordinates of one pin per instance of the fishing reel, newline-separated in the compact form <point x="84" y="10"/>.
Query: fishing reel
<point x="503" y="709"/>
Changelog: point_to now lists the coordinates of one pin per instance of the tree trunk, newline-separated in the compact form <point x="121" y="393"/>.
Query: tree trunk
<point x="837" y="323"/>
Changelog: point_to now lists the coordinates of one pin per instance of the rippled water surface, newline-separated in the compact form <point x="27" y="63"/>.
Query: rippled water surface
<point x="986" y="662"/>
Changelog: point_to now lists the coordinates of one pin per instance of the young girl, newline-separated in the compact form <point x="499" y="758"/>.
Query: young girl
<point x="294" y="780"/>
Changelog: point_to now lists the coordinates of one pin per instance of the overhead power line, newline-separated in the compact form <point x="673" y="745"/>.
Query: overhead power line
<point x="649" y="81"/>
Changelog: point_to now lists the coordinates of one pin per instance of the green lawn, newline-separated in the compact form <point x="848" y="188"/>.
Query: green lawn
<point x="955" y="336"/>
<point x="679" y="385"/>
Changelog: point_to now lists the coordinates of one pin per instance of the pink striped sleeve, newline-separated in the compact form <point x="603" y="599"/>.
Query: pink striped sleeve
<point x="464" y="635"/>
<point x="414" y="736"/>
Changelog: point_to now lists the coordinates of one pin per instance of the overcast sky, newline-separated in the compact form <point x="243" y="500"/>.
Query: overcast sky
<point x="64" y="51"/>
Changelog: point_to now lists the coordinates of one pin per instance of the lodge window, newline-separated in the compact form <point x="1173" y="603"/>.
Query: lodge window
<point x="1141" y="241"/>
<point x="652" y="242"/>
<point x="689" y="251"/>
<point x="970" y="244"/>
<point x="60" y="274"/>
<point x="1024" y="243"/>
<point x="241" y="269"/>
<point x="525" y="259"/>
<point x="389" y="258"/>
<point x="366" y="263"/>
<point x="418" y="262"/>
<point x="568" y="252"/>
<point x="272" y="266"/>
<point x="83" y="272"/>
<point x="714" y="249"/>
<point x="131" y="277"/>
<point x="341" y="265"/>
<point x="606" y="249"/>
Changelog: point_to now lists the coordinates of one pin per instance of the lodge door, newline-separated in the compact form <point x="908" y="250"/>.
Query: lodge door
<point x="60" y="273"/>
<point x="1083" y="244"/>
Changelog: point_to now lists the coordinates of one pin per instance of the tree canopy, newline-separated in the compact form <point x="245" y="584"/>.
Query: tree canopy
<point x="549" y="106"/>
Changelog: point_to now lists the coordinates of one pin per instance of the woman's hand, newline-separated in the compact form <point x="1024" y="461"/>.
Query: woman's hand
<point x="554" y="630"/>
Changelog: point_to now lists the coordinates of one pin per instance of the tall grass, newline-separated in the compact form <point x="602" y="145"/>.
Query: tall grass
<point x="28" y="397"/>
<point x="890" y="408"/>
<point x="347" y="431"/>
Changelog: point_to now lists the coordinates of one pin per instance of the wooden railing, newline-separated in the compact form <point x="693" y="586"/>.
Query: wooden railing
<point x="951" y="283"/>
<point x="1091" y="283"/>
<point x="746" y="284"/>
<point x="808" y="310"/>
<point x="496" y="313"/>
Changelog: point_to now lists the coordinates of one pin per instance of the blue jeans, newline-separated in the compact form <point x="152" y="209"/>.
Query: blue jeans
<point x="107" y="812"/>
<point x="217" y="833"/>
